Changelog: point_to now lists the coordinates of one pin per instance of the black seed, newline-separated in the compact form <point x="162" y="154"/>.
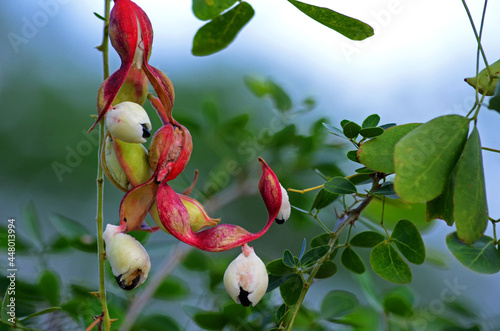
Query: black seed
<point x="279" y="221"/>
<point x="130" y="286"/>
<point x="243" y="296"/>
<point x="125" y="219"/>
<point x="145" y="131"/>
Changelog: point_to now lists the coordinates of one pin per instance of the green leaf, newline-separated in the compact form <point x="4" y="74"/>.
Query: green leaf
<point x="67" y="227"/>
<point x="288" y="259"/>
<point x="333" y="130"/>
<point x="482" y="80"/>
<point x="235" y="313"/>
<point x="340" y="185"/>
<point x="495" y="100"/>
<point x="327" y="269"/>
<point x="378" y="153"/>
<point x="280" y="313"/>
<point x="41" y="312"/>
<point x="387" y="263"/>
<point x="345" y="25"/>
<point x="290" y="290"/>
<point x="156" y="323"/>
<point x="371" y="121"/>
<point x="221" y="31"/>
<point x="387" y="126"/>
<point x="364" y="170"/>
<point x="276" y="281"/>
<point x="482" y="256"/>
<point x="371" y="132"/>
<point x="323" y="199"/>
<point x="172" y="288"/>
<point x="267" y="87"/>
<point x="386" y="189"/>
<point x="367" y="239"/>
<point x="32" y="221"/>
<point x="470" y="208"/>
<point x="442" y="206"/>
<point x="196" y="261"/>
<point x="210" y="320"/>
<point x="99" y="16"/>
<point x="343" y="123"/>
<point x="322" y="239"/>
<point x="360" y="179"/>
<point x="409" y="242"/>
<point x="399" y="301"/>
<point x="49" y="287"/>
<point x="351" y="260"/>
<point x="351" y="129"/>
<point x="425" y="157"/>
<point x="352" y="155"/>
<point x="362" y="319"/>
<point x="277" y="267"/>
<point x="395" y="210"/>
<point x="338" y="303"/>
<point x="313" y="255"/>
<point x="206" y="10"/>
<point x="22" y="246"/>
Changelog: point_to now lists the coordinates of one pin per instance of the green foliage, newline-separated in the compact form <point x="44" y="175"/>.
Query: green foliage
<point x="345" y="25"/>
<point x="338" y="303"/>
<point x="267" y="87"/>
<point x="425" y="157"/>
<point x="291" y="289"/>
<point x="388" y="264"/>
<point x="482" y="256"/>
<point x="351" y="129"/>
<point x="352" y="261"/>
<point x="221" y="30"/>
<point x="399" y="301"/>
<point x="340" y="185"/>
<point x="409" y="242"/>
<point x="367" y="239"/>
<point x="324" y="199"/>
<point x="313" y="255"/>
<point x="495" y="100"/>
<point x="470" y="211"/>
<point x="378" y="153"/>
<point x="207" y="10"/>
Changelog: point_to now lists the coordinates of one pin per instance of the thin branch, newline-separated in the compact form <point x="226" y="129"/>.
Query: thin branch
<point x="100" y="180"/>
<point x="349" y="218"/>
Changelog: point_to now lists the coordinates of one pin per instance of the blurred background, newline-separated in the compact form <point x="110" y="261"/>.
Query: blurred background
<point x="412" y="70"/>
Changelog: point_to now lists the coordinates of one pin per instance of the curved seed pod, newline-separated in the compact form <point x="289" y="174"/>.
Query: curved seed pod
<point x="111" y="165"/>
<point x="131" y="35"/>
<point x="174" y="145"/>
<point x="175" y="217"/>
<point x="246" y="278"/>
<point x="125" y="164"/>
<point x="136" y="204"/>
<point x="133" y="89"/>
<point x="129" y="260"/>
<point x="198" y="217"/>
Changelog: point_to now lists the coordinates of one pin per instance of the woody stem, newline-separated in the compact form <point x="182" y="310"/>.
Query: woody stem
<point x="100" y="180"/>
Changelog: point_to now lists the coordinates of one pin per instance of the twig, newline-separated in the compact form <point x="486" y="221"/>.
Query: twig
<point x="100" y="179"/>
<point x="350" y="217"/>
